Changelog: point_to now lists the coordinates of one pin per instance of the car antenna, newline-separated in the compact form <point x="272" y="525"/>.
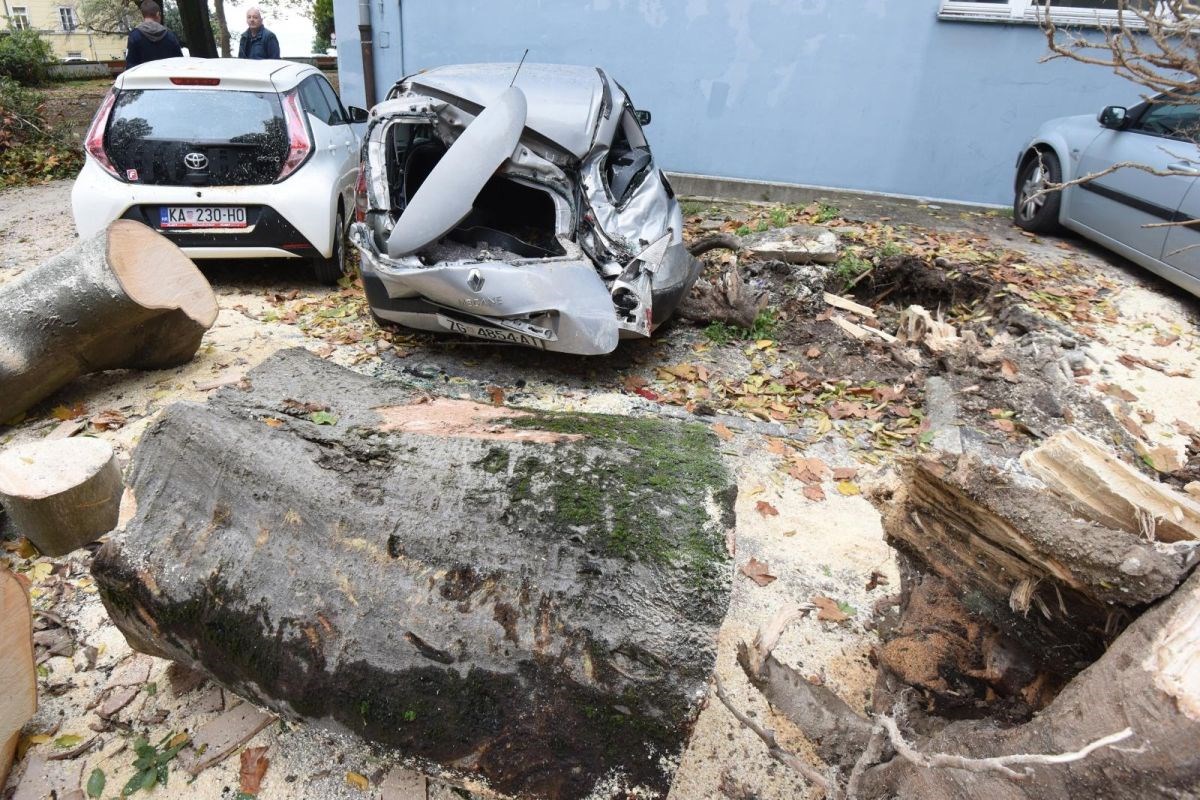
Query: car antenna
<point x="522" y="61"/>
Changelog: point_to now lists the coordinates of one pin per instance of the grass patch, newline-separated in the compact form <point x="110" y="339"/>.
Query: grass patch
<point x="849" y="267"/>
<point x="780" y="216"/>
<point x="764" y="327"/>
<point x="827" y="212"/>
<point x="691" y="208"/>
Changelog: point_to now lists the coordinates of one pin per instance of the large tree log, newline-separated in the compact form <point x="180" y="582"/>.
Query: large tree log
<point x="61" y="493"/>
<point x="18" y="698"/>
<point x="529" y="598"/>
<point x="1022" y="577"/>
<point x="126" y="297"/>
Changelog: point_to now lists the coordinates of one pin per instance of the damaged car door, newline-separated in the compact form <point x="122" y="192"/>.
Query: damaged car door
<point x="531" y="214"/>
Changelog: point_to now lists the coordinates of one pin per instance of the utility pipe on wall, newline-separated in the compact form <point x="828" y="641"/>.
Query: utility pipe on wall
<point x="368" y="51"/>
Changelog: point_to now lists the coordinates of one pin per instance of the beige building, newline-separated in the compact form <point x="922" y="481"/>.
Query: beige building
<point x="59" y="24"/>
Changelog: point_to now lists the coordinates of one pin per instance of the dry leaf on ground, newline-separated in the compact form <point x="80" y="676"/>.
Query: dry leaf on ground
<point x="254" y="766"/>
<point x="829" y="609"/>
<point x="757" y="571"/>
<point x="720" y="429"/>
<point x="766" y="509"/>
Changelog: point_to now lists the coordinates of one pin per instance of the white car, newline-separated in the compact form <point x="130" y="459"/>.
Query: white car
<point x="228" y="158"/>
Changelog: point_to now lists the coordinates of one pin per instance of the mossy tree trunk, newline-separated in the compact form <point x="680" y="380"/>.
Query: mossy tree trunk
<point x="529" y="598"/>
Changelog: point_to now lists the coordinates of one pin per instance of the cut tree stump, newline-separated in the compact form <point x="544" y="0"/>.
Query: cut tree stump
<point x="527" y="598"/>
<point x="125" y="298"/>
<point x="997" y="572"/>
<point x="18" y="698"/>
<point x="61" y="493"/>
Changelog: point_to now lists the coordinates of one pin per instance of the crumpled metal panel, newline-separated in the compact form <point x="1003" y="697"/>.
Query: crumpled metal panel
<point x="564" y="100"/>
<point x="446" y="196"/>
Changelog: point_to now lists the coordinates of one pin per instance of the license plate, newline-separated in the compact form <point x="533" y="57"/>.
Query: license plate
<point x="487" y="332"/>
<point x="202" y="217"/>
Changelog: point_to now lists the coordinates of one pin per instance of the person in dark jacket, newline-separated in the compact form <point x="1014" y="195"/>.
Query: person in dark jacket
<point x="257" y="41"/>
<point x="150" y="41"/>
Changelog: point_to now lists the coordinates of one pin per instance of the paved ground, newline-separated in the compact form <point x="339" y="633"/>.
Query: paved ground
<point x="824" y="542"/>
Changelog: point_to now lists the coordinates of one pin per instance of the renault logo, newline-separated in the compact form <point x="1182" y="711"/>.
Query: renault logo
<point x="475" y="281"/>
<point x="195" y="161"/>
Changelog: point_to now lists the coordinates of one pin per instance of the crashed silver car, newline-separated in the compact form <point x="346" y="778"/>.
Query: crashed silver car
<point x="527" y="211"/>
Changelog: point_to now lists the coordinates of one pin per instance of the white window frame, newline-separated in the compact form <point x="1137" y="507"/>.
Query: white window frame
<point x="20" y="17"/>
<point x="68" y="17"/>
<point x="75" y="54"/>
<point x="1031" y="12"/>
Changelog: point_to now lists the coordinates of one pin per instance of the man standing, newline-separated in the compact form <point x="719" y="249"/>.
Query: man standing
<point x="257" y="41"/>
<point x="150" y="41"/>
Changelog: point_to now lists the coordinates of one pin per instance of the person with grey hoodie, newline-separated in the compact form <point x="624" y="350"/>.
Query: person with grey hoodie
<point x="150" y="41"/>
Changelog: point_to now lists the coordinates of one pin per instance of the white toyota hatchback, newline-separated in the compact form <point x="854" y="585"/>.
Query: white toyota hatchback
<point x="227" y="158"/>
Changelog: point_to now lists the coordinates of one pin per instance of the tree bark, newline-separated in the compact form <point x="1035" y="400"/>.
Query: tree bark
<point x="222" y="28"/>
<point x="197" y="28"/>
<point x="724" y="299"/>
<point x="18" y="700"/>
<point x="62" y="493"/>
<point x="531" y="598"/>
<point x="126" y="298"/>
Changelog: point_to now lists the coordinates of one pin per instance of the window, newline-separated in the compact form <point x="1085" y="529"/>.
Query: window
<point x="339" y="113"/>
<point x="66" y="15"/>
<point x="1171" y="120"/>
<point x="20" y="17"/>
<point x="1078" y="12"/>
<point x="75" y="55"/>
<point x="315" y="102"/>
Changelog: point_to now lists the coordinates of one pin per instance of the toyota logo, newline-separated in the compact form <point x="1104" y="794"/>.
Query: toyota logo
<point x="195" y="161"/>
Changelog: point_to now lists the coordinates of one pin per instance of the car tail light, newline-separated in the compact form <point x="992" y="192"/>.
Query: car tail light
<point x="300" y="145"/>
<point x="196" y="81"/>
<point x="360" y="194"/>
<point x="94" y="143"/>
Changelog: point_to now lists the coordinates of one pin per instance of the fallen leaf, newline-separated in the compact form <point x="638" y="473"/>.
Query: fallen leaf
<point x="1165" y="341"/>
<point x="322" y="418"/>
<point x="845" y="473"/>
<point x="65" y="413"/>
<point x="1161" y="458"/>
<point x="1008" y="370"/>
<point x="496" y="394"/>
<point x="631" y="383"/>
<point x="1112" y="390"/>
<point x="848" y="488"/>
<point x="766" y="509"/>
<point x="814" y="493"/>
<point x="95" y="784"/>
<point x="359" y="782"/>
<point x="721" y="430"/>
<point x="272" y="422"/>
<point x="67" y="741"/>
<point x="254" y="766"/>
<point x="757" y="571"/>
<point x="813" y="352"/>
<point x="830" y="611"/>
<point x="108" y="419"/>
<point x="299" y="407"/>
<point x="1005" y="425"/>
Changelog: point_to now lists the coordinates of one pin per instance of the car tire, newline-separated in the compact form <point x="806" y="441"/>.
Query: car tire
<point x="1038" y="214"/>
<point x="329" y="271"/>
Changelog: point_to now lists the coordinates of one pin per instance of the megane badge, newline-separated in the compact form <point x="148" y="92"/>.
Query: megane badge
<point x="195" y="161"/>
<point x="475" y="281"/>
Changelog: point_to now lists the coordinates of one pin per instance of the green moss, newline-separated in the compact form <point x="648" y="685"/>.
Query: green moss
<point x="495" y="461"/>
<point x="640" y="494"/>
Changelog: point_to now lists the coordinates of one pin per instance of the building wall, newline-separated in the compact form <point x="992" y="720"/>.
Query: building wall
<point x="871" y="95"/>
<point x="45" y="17"/>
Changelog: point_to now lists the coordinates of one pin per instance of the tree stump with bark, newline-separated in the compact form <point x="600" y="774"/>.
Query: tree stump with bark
<point x="125" y="298"/>
<point x="18" y="700"/>
<point x="61" y="493"/>
<point x="529" y="598"/>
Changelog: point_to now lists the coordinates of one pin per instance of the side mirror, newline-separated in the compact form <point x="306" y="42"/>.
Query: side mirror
<point x="357" y="114"/>
<point x="1113" y="117"/>
<point x="642" y="116"/>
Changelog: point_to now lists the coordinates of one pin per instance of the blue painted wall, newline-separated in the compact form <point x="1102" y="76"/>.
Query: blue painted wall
<point x="874" y="95"/>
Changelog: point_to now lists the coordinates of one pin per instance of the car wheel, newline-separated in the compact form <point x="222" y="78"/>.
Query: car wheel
<point x="330" y="270"/>
<point x="1033" y="211"/>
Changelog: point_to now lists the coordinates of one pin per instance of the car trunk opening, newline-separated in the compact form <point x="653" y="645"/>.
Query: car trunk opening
<point x="510" y="219"/>
<point x="154" y="137"/>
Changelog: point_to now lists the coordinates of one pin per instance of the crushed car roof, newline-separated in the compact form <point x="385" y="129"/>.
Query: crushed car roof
<point x="564" y="100"/>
